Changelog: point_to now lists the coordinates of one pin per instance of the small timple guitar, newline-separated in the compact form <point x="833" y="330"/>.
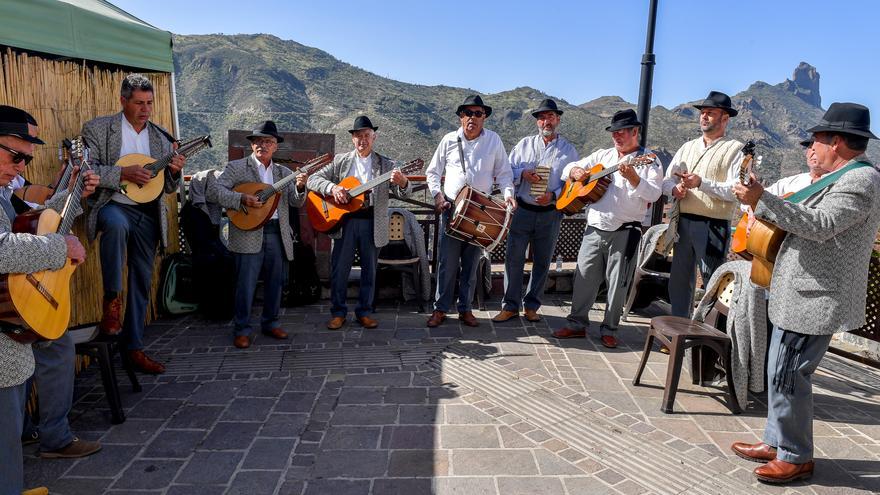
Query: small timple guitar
<point x="153" y="189"/>
<point x="39" y="303"/>
<point x="252" y="218"/>
<point x="325" y="214"/>
<point x="576" y="194"/>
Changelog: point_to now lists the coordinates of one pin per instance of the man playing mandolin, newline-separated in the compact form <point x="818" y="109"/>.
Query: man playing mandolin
<point x="264" y="249"/>
<point x="365" y="230"/>
<point x="129" y="230"/>
<point x="613" y="227"/>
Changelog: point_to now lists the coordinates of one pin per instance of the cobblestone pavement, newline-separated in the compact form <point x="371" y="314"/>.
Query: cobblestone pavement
<point x="498" y="409"/>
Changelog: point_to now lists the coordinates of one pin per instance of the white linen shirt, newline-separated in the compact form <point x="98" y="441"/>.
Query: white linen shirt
<point x="485" y="159"/>
<point x="362" y="168"/>
<point x="721" y="190"/>
<point x="530" y="152"/>
<point x="132" y="142"/>
<point x="267" y="177"/>
<point x="784" y="186"/>
<point x="622" y="203"/>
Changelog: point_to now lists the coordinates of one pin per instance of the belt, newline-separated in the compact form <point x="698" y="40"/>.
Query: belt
<point x="535" y="208"/>
<point x="700" y="218"/>
<point x="365" y="213"/>
<point x="629" y="225"/>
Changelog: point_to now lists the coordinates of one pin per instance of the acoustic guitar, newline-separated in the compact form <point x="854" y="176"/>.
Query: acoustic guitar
<point x="325" y="214"/>
<point x="740" y="237"/>
<point x="38" y="193"/>
<point x="154" y="188"/>
<point x="39" y="302"/>
<point x="576" y="194"/>
<point x="253" y="218"/>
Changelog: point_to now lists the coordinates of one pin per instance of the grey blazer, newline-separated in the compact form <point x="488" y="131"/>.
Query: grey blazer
<point x="821" y="274"/>
<point x="323" y="181"/>
<point x="103" y="135"/>
<point x="245" y="170"/>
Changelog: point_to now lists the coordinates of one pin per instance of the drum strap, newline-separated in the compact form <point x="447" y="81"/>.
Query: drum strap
<point x="461" y="157"/>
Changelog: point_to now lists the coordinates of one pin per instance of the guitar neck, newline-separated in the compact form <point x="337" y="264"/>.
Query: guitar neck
<point x="64" y="181"/>
<point x="744" y="170"/>
<point x="366" y="186"/>
<point x="309" y="168"/>
<point x="67" y="212"/>
<point x="186" y="150"/>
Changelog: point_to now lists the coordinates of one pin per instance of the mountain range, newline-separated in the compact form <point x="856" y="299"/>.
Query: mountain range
<point x="234" y="81"/>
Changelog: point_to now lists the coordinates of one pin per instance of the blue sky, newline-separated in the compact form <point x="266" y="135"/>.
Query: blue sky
<point x="575" y="50"/>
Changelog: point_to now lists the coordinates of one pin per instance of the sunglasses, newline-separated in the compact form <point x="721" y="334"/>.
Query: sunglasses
<point x="17" y="156"/>
<point x="473" y="113"/>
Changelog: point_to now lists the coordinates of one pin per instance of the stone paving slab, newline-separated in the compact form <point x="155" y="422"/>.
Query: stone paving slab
<point x="503" y="409"/>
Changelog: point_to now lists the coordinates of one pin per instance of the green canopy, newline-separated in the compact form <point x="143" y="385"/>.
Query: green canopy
<point x="85" y="29"/>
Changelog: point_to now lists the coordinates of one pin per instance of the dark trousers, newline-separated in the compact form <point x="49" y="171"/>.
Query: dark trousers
<point x="457" y="264"/>
<point x="54" y="374"/>
<point x="702" y="243"/>
<point x="129" y="234"/>
<point x="270" y="263"/>
<point x="357" y="234"/>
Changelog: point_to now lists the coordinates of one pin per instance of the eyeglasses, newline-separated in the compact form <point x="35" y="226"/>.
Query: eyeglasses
<point x="263" y="141"/>
<point x="17" y="156"/>
<point x="473" y="113"/>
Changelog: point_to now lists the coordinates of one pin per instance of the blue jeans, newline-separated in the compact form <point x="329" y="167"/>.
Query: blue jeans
<point x="357" y="234"/>
<point x="12" y="400"/>
<point x="457" y="262"/>
<point x="128" y="234"/>
<point x="701" y="242"/>
<point x="271" y="263"/>
<point x="54" y="376"/>
<point x="541" y="229"/>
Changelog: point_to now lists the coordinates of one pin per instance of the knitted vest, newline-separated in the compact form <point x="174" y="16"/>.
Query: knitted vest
<point x="713" y="164"/>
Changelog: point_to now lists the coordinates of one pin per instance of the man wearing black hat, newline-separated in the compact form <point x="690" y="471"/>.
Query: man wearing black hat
<point x="819" y="282"/>
<point x="265" y="249"/>
<point x="700" y="178"/>
<point x="613" y="228"/>
<point x="536" y="220"/>
<point x="470" y="156"/>
<point x="364" y="231"/>
<point x="21" y="253"/>
<point x="129" y="231"/>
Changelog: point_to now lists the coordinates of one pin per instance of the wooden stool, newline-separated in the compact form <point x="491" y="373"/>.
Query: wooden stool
<point x="678" y="334"/>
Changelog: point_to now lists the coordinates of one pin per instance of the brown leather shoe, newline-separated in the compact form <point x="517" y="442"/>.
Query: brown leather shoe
<point x="570" y="333"/>
<point x="276" y="333"/>
<point x="437" y="317"/>
<point x="609" y="341"/>
<point x="777" y="471"/>
<point x="336" y="323"/>
<point x="241" y="341"/>
<point x="146" y="365"/>
<point x="468" y="319"/>
<point x="504" y="315"/>
<point x="756" y="452"/>
<point x="367" y="322"/>
<point x="75" y="449"/>
<point x="110" y="324"/>
<point x="532" y="315"/>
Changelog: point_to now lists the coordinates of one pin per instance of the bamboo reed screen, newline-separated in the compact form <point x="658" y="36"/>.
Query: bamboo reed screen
<point x="62" y="95"/>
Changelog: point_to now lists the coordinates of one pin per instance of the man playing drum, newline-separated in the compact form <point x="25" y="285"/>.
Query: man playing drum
<point x="536" y="220"/>
<point x="470" y="156"/>
<point x="613" y="228"/>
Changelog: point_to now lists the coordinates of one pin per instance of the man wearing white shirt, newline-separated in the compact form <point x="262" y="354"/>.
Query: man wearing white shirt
<point x="613" y="228"/>
<point x="536" y="220"/>
<point x="363" y="231"/>
<point x="701" y="178"/>
<point x="485" y="163"/>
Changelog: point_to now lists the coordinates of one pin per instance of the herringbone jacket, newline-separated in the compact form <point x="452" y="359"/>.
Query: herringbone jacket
<point x="103" y="136"/>
<point x="323" y="181"/>
<point x="245" y="170"/>
<point x="820" y="278"/>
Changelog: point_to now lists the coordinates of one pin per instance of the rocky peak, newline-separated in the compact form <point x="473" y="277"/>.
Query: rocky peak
<point x="804" y="83"/>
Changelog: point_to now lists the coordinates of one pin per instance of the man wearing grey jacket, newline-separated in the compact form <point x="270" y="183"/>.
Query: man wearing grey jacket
<point x="365" y="230"/>
<point x="819" y="282"/>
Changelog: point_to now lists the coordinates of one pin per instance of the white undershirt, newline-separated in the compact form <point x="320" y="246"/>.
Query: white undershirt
<point x="132" y="142"/>
<point x="362" y="168"/>
<point x="267" y="177"/>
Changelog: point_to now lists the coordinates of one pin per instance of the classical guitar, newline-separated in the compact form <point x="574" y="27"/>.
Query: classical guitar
<point x="153" y="189"/>
<point x="40" y="302"/>
<point x="741" y="232"/>
<point x="253" y="218"/>
<point x="576" y="194"/>
<point x="325" y="214"/>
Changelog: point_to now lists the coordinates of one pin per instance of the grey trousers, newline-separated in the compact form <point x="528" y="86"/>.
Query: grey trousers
<point x="790" y="415"/>
<point x="12" y="401"/>
<point x="608" y="256"/>
<point x="55" y="376"/>
<point x="702" y="242"/>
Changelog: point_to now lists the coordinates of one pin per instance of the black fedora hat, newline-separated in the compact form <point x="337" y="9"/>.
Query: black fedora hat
<point x="474" y="101"/>
<point x="14" y="122"/>
<point x="546" y="105"/>
<point x="362" y="122"/>
<point x="623" y="119"/>
<point x="846" y="118"/>
<point x="717" y="99"/>
<point x="266" y="129"/>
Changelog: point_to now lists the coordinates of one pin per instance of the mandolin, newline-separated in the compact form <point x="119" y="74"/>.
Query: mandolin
<point x="325" y="214"/>
<point x="253" y="218"/>
<point x="154" y="188"/>
<point x="39" y="302"/>
<point x="576" y="194"/>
